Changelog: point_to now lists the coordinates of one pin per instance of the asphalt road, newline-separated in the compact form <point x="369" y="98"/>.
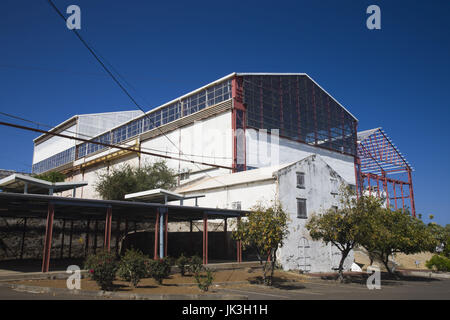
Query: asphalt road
<point x="431" y="289"/>
<point x="423" y="289"/>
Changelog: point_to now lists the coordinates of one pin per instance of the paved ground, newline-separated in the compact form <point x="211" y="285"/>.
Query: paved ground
<point x="414" y="288"/>
<point x="317" y="289"/>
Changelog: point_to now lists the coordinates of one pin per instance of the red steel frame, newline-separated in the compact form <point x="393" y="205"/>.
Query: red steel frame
<point x="378" y="157"/>
<point x="48" y="238"/>
<point x="238" y="104"/>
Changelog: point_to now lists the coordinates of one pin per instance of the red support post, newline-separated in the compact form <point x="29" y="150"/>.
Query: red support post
<point x="86" y="248"/>
<point x="403" y="199"/>
<point x="155" y="256"/>
<point x="48" y="238"/>
<point x="239" y="246"/>
<point x="108" y="221"/>
<point x="166" y="233"/>
<point x="411" y="194"/>
<point x="205" y="239"/>
<point x="61" y="255"/>
<point x="378" y="187"/>
<point x="368" y="181"/>
<point x="385" y="187"/>
<point x="395" y="195"/>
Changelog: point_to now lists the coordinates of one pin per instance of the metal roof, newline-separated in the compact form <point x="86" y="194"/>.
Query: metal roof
<point x="33" y="205"/>
<point x="21" y="183"/>
<point x="154" y="195"/>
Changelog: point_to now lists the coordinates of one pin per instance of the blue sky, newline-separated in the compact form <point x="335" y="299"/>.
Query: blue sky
<point x="396" y="77"/>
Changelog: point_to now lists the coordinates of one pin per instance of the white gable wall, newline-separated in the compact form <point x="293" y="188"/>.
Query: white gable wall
<point x="299" y="250"/>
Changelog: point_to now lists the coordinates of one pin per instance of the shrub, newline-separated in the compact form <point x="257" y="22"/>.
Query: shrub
<point x="158" y="269"/>
<point x="133" y="266"/>
<point x="195" y="265"/>
<point x="439" y="263"/>
<point x="182" y="263"/>
<point x="204" y="281"/>
<point x="102" y="268"/>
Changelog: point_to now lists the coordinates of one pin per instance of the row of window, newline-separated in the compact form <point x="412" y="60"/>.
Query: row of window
<point x="189" y="105"/>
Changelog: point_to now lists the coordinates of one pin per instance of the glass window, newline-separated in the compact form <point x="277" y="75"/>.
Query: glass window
<point x="301" y="209"/>
<point x="300" y="180"/>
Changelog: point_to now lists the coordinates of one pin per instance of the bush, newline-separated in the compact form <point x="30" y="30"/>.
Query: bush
<point x="133" y="266"/>
<point x="204" y="281"/>
<point x="439" y="263"/>
<point x="195" y="265"/>
<point x="158" y="269"/>
<point x="182" y="263"/>
<point x="102" y="268"/>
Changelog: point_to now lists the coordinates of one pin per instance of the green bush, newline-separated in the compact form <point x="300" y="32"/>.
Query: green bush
<point x="204" y="281"/>
<point x="195" y="265"/>
<point x="102" y="268"/>
<point x="439" y="263"/>
<point x="133" y="266"/>
<point x="158" y="269"/>
<point x="182" y="263"/>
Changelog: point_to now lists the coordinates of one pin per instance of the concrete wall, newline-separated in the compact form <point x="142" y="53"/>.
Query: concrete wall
<point x="262" y="151"/>
<point x="299" y="250"/>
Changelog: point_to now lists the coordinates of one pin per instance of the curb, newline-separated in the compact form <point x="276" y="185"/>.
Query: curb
<point x="122" y="295"/>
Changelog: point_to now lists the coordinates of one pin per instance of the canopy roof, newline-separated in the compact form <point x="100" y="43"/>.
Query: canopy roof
<point x="33" y="205"/>
<point x="22" y="183"/>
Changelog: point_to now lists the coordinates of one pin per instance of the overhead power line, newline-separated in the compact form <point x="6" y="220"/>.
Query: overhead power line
<point x="17" y="126"/>
<point x="91" y="50"/>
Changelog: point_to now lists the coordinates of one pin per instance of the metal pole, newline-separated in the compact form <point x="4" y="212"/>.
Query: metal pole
<point x="86" y="248"/>
<point x="61" y="255"/>
<point x="205" y="239"/>
<point x="22" y="245"/>
<point x="70" y="239"/>
<point x="225" y="238"/>
<point x="95" y="235"/>
<point x="166" y="233"/>
<point x="161" y="234"/>
<point x="48" y="238"/>
<point x="107" y="242"/>
<point x="155" y="256"/>
<point x="411" y="194"/>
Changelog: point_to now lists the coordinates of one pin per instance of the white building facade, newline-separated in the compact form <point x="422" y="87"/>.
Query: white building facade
<point x="253" y="132"/>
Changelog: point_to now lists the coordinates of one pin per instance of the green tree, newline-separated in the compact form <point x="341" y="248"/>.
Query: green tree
<point x="264" y="229"/>
<point x="343" y="227"/>
<point x="51" y="176"/>
<point x="118" y="182"/>
<point x="386" y="232"/>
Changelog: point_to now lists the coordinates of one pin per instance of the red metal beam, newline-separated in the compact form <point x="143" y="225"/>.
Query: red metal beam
<point x="108" y="221"/>
<point x="411" y="194"/>
<point x="48" y="238"/>
<point x="205" y="239"/>
<point x="166" y="226"/>
<point x="155" y="256"/>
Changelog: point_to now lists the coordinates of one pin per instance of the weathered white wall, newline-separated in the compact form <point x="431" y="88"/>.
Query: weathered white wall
<point x="248" y="194"/>
<point x="208" y="140"/>
<point x="54" y="145"/>
<point x="261" y="152"/>
<point x="319" y="197"/>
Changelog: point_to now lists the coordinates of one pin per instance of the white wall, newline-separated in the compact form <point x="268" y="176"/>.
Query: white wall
<point x="54" y="145"/>
<point x="261" y="153"/>
<point x="319" y="197"/>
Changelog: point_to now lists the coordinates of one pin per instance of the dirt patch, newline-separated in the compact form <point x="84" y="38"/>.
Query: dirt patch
<point x="175" y="283"/>
<point x="406" y="261"/>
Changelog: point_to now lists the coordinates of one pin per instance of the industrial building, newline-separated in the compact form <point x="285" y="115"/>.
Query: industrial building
<point x="244" y="138"/>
